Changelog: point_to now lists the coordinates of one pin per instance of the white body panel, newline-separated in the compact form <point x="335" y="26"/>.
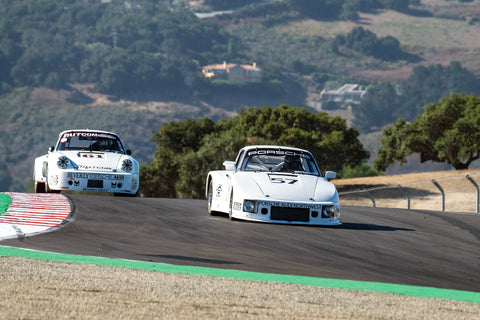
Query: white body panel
<point x="87" y="170"/>
<point x="279" y="197"/>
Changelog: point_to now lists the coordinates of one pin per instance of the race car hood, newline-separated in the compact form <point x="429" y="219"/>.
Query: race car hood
<point x="94" y="161"/>
<point x="287" y="187"/>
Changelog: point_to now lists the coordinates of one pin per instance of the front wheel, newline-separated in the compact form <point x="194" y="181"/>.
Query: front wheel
<point x="210" y="198"/>
<point x="128" y="195"/>
<point x="39" y="187"/>
<point x="230" y="207"/>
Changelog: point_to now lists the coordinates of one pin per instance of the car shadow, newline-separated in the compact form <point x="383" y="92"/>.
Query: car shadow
<point x="186" y="258"/>
<point x="367" y="226"/>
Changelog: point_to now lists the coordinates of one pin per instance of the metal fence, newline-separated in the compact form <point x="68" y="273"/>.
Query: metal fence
<point x="456" y="194"/>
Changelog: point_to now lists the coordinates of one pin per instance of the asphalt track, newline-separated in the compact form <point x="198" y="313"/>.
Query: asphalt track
<point x="420" y="248"/>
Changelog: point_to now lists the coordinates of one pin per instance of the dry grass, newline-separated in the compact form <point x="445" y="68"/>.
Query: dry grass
<point x="404" y="179"/>
<point x="34" y="289"/>
<point x="460" y="193"/>
<point x="411" y="31"/>
<point x="423" y="32"/>
<point x="434" y="40"/>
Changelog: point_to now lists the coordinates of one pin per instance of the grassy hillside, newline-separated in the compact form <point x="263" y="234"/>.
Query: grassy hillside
<point x="33" y="118"/>
<point x="447" y="31"/>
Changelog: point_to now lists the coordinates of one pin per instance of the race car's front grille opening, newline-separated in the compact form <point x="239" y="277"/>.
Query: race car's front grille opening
<point x="95" y="184"/>
<point x="290" y="214"/>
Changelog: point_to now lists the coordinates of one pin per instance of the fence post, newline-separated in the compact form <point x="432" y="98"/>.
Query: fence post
<point x="406" y="196"/>
<point x="371" y="198"/>
<point x="476" y="187"/>
<point x="441" y="191"/>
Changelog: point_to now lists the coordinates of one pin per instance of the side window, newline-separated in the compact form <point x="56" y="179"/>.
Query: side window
<point x="239" y="160"/>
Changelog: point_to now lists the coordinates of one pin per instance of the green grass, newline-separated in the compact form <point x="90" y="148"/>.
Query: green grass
<point x="5" y="201"/>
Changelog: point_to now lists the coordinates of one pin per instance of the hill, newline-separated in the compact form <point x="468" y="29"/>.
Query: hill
<point x="290" y="47"/>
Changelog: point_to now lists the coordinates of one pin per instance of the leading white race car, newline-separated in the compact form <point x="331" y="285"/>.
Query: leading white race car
<point x="274" y="184"/>
<point x="87" y="160"/>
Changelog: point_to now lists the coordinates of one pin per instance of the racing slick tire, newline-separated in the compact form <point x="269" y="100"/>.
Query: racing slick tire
<point x="210" y="199"/>
<point x="230" y="207"/>
<point x="40" y="187"/>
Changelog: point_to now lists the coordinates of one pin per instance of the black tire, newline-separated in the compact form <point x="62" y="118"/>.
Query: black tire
<point x="210" y="199"/>
<point x="40" y="187"/>
<point x="47" y="189"/>
<point x="230" y="207"/>
<point x="128" y="195"/>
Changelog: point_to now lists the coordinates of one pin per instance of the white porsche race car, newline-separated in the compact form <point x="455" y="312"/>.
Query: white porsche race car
<point x="274" y="184"/>
<point x="87" y="160"/>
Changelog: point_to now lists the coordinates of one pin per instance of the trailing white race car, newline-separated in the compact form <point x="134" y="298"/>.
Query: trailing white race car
<point x="87" y="160"/>
<point x="274" y="184"/>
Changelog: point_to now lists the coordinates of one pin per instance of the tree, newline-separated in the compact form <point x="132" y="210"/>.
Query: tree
<point x="378" y="107"/>
<point x="366" y="42"/>
<point x="384" y="103"/>
<point x="189" y="149"/>
<point x="362" y="170"/>
<point x="175" y="140"/>
<point x="447" y="131"/>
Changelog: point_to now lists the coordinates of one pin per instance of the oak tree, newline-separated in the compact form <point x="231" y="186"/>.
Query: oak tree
<point x="447" y="131"/>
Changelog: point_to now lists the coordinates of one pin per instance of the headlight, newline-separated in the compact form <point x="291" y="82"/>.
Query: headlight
<point x="62" y="162"/>
<point x="249" y="206"/>
<point x="127" y="165"/>
<point x="328" y="211"/>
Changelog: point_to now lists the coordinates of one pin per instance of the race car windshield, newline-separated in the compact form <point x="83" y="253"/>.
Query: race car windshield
<point x="89" y="141"/>
<point x="279" y="161"/>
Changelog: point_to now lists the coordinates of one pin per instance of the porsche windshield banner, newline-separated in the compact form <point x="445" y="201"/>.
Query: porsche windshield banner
<point x="274" y="152"/>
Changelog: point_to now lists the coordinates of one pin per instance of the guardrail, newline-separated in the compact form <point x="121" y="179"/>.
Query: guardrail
<point x="457" y="194"/>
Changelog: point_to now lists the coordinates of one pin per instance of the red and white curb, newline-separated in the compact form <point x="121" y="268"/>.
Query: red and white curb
<point x="32" y="213"/>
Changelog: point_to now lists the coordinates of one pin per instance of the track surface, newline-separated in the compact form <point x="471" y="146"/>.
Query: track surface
<point x="384" y="245"/>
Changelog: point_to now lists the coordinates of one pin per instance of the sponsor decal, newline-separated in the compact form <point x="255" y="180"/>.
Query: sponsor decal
<point x="86" y="134"/>
<point x="53" y="180"/>
<point x="89" y="155"/>
<point x="98" y="176"/>
<point x="81" y="175"/>
<point x="289" y="204"/>
<point x="219" y="190"/>
<point x="84" y="167"/>
<point x="237" y="206"/>
<point x="134" y="183"/>
<point x="278" y="153"/>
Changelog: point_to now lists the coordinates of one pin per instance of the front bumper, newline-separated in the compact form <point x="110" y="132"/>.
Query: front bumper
<point x="288" y="212"/>
<point x="74" y="180"/>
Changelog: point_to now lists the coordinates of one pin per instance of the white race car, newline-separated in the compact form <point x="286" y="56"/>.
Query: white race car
<point x="87" y="160"/>
<point x="274" y="184"/>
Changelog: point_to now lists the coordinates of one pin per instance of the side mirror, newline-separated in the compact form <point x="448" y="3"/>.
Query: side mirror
<point x="229" y="165"/>
<point x="51" y="149"/>
<point x="128" y="152"/>
<point x="329" y="175"/>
